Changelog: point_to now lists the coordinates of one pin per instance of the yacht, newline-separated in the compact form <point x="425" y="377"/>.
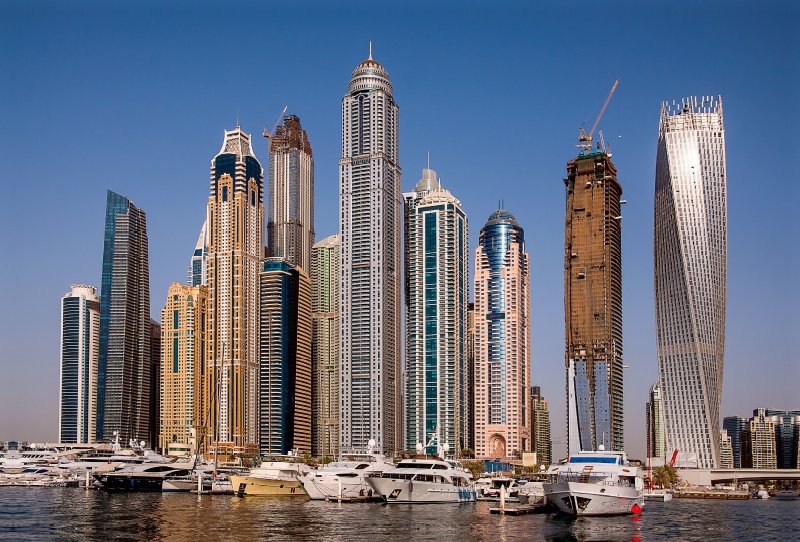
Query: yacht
<point x="596" y="483"/>
<point x="415" y="481"/>
<point x="143" y="477"/>
<point x="345" y="478"/>
<point x="277" y="477"/>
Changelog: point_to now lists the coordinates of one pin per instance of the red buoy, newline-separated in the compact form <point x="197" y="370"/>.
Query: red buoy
<point x="636" y="509"/>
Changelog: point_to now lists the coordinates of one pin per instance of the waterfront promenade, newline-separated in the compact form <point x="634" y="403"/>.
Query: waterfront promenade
<point x="708" y="477"/>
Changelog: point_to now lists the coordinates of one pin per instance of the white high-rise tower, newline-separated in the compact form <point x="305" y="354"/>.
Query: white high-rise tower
<point x="690" y="248"/>
<point x="370" y="201"/>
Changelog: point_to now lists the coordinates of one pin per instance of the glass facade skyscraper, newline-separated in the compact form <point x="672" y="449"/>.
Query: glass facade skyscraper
<point x="124" y="364"/>
<point x="654" y="418"/>
<point x="502" y="335"/>
<point x="370" y="230"/>
<point x="437" y="288"/>
<point x="690" y="268"/>
<point x="285" y="358"/>
<point x="80" y="338"/>
<point x="290" y="207"/>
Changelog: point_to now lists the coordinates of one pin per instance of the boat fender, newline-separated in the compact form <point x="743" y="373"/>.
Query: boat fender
<point x="636" y="509"/>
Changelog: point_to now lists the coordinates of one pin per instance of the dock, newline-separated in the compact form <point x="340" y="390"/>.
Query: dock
<point x="728" y="495"/>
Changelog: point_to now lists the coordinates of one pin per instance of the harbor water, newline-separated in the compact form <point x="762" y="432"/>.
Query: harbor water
<point x="79" y="514"/>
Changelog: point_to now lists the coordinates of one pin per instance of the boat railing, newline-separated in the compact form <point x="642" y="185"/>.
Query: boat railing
<point x="594" y="477"/>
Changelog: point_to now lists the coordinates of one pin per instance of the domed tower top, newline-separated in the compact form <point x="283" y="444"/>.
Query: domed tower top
<point x="369" y="75"/>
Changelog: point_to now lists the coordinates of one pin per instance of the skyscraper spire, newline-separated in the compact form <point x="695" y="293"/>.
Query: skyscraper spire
<point x="370" y="50"/>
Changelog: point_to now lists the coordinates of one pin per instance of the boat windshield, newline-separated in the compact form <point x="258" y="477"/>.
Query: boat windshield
<point x="415" y="466"/>
<point x="592" y="459"/>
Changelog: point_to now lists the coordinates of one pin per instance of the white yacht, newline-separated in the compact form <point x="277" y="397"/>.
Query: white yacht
<point x="424" y="481"/>
<point x="345" y="478"/>
<point x="596" y="483"/>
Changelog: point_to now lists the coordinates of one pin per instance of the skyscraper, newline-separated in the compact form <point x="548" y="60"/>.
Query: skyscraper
<point x="437" y="291"/>
<point x="80" y="339"/>
<point x="325" y="347"/>
<point x="725" y="450"/>
<point x="198" y="268"/>
<point x="123" y="368"/>
<point x="285" y="369"/>
<point x="758" y="442"/>
<point x="235" y="219"/>
<point x="541" y="442"/>
<point x="690" y="268"/>
<point x="154" y="409"/>
<point x="593" y="303"/>
<point x="183" y="321"/>
<point x="370" y="210"/>
<point x="654" y="418"/>
<point x="469" y="406"/>
<point x="787" y="436"/>
<point x="734" y="425"/>
<point x="290" y="209"/>
<point x="502" y="331"/>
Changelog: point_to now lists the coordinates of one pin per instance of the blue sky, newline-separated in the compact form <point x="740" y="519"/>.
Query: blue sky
<point x="135" y="99"/>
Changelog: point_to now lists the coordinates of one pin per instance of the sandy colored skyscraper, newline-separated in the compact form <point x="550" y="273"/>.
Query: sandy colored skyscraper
<point x="235" y="219"/>
<point x="285" y="350"/>
<point x="183" y="333"/>
<point x="325" y="347"/>
<point x="437" y="291"/>
<point x="80" y="340"/>
<point x="593" y="303"/>
<point x="124" y="364"/>
<point x="370" y="235"/>
<point x="502" y="335"/>
<point x="690" y="271"/>
<point x="290" y="207"/>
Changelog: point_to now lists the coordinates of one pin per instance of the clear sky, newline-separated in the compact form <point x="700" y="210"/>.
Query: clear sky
<point x="136" y="98"/>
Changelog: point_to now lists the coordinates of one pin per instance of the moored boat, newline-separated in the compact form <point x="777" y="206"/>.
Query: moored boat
<point x="277" y="477"/>
<point x="415" y="481"/>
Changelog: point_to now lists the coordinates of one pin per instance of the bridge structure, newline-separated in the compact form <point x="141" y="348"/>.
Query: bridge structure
<point x="709" y="477"/>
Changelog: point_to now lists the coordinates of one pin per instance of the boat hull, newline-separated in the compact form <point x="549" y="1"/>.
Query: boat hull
<point x="130" y="483"/>
<point x="402" y="491"/>
<point x="582" y="499"/>
<point x="251" y="485"/>
<point x="320" y="489"/>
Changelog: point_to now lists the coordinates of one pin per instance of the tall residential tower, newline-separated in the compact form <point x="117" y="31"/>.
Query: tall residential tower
<point x="124" y="364"/>
<point x="690" y="246"/>
<point x="235" y="220"/>
<point x="370" y="211"/>
<point x="437" y="291"/>
<point x="502" y="334"/>
<point x="593" y="303"/>
<point x="290" y="207"/>
<point x="80" y="339"/>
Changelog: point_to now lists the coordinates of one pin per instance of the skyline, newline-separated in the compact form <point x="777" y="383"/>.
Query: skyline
<point x="94" y="111"/>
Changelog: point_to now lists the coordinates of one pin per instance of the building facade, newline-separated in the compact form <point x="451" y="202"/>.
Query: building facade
<point x="325" y="347"/>
<point x="124" y="364"/>
<point x="183" y="342"/>
<point x="758" y="442"/>
<point x="290" y="207"/>
<point x="593" y="303"/>
<point x="502" y="331"/>
<point x="80" y="342"/>
<point x="235" y="219"/>
<point x="155" y="383"/>
<point x="654" y="416"/>
<point x="469" y="377"/>
<point x="725" y="450"/>
<point x="370" y="230"/>
<point x="285" y="369"/>
<point x="690" y="268"/>
<point x="541" y="442"/>
<point x="787" y="436"/>
<point x="198" y="268"/>
<point x="437" y="290"/>
<point x="734" y="425"/>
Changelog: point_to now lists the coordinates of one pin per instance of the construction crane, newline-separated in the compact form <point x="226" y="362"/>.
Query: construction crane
<point x="674" y="457"/>
<point x="588" y="137"/>
<point x="269" y="134"/>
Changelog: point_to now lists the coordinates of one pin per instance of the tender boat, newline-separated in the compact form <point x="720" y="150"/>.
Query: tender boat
<point x="277" y="477"/>
<point x="345" y="478"/>
<point x="596" y="483"/>
<point x="415" y="481"/>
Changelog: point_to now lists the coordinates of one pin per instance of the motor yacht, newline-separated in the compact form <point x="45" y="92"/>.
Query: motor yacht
<point x="277" y="477"/>
<point x="346" y="478"/>
<point x="143" y="477"/>
<point x="415" y="481"/>
<point x="596" y="483"/>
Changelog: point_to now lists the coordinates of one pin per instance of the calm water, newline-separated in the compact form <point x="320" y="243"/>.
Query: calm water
<point x="77" y="514"/>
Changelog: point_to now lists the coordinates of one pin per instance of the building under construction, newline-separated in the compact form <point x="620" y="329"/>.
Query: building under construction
<point x="593" y="302"/>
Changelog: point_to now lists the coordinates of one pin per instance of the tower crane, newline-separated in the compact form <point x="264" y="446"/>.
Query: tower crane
<point x="588" y="137"/>
<point x="271" y="133"/>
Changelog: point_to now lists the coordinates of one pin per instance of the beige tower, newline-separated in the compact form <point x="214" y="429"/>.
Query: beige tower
<point x="183" y="333"/>
<point x="502" y="331"/>
<point x="235" y="246"/>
